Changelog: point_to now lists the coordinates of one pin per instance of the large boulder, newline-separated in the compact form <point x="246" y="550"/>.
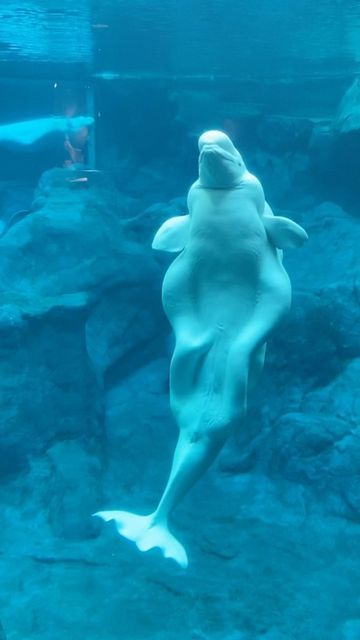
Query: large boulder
<point x="319" y="445"/>
<point x="347" y="118"/>
<point x="86" y="425"/>
<point x="321" y="331"/>
<point x="303" y="421"/>
<point x="49" y="390"/>
<point x="77" y="301"/>
<point x="74" y="241"/>
<point x="281" y="134"/>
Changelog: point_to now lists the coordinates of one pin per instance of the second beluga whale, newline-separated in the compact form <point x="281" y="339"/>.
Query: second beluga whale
<point x="27" y="132"/>
<point x="223" y="294"/>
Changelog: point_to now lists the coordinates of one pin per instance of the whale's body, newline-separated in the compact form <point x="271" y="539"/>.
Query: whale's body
<point x="28" y="132"/>
<point x="223" y="295"/>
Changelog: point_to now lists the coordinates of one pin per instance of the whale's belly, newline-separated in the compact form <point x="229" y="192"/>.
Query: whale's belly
<point x="227" y="265"/>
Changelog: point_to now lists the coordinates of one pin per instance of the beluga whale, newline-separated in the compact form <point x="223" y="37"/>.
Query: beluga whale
<point x="27" y="132"/>
<point x="224" y="294"/>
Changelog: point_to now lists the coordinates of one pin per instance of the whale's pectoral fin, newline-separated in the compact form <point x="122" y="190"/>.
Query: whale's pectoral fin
<point x="147" y="534"/>
<point x="283" y="232"/>
<point x="173" y="234"/>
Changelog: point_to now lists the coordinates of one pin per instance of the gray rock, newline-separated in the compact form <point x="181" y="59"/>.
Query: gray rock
<point x="321" y="451"/>
<point x="322" y="329"/>
<point x="351" y="630"/>
<point x="286" y="178"/>
<point x="48" y="388"/>
<point x="143" y="227"/>
<point x="138" y="419"/>
<point x="347" y="118"/>
<point x="73" y="490"/>
<point x="69" y="310"/>
<point x="330" y="257"/>
<point x="272" y="634"/>
<point x="82" y="398"/>
<point x="322" y="152"/>
<point x="337" y="399"/>
<point x="302" y="446"/>
<point x="75" y="242"/>
<point x="126" y="326"/>
<point x="280" y="134"/>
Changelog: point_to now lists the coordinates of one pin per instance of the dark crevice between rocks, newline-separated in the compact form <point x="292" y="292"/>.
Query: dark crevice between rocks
<point x="129" y="363"/>
<point x="67" y="560"/>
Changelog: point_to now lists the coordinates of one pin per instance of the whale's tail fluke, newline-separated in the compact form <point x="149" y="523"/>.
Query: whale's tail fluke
<point x="147" y="534"/>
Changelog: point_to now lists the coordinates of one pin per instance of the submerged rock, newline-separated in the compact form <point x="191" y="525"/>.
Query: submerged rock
<point x="84" y="395"/>
<point x="347" y="118"/>
<point x="304" y="426"/>
<point x="76" y="300"/>
<point x="73" y="242"/>
<point x="280" y="134"/>
<point x="351" y="630"/>
<point x="73" y="489"/>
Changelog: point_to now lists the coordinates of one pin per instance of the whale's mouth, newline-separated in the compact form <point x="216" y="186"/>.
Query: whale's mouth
<point x="219" y="168"/>
<point x="220" y="164"/>
<point x="213" y="150"/>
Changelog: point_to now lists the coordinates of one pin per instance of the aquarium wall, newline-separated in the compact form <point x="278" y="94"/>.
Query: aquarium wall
<point x="101" y="108"/>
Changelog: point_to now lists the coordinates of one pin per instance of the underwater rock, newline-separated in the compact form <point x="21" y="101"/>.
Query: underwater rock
<point x="344" y="154"/>
<point x="11" y="319"/>
<point x="347" y="118"/>
<point x="272" y="634"/>
<point x="286" y="177"/>
<point x="154" y="182"/>
<point x="123" y="329"/>
<point x="320" y="447"/>
<point x="275" y="174"/>
<point x="137" y="415"/>
<point x="351" y="630"/>
<point x="302" y="446"/>
<point x="322" y="329"/>
<point x="316" y="443"/>
<point x="281" y="159"/>
<point x="14" y="196"/>
<point x="339" y="397"/>
<point x="147" y="181"/>
<point x="74" y="242"/>
<point x="74" y="380"/>
<point x="321" y="151"/>
<point x="74" y="489"/>
<point x="68" y="272"/>
<point x="142" y="227"/>
<point x="333" y="241"/>
<point x="281" y="134"/>
<point x="320" y="333"/>
<point x="48" y="388"/>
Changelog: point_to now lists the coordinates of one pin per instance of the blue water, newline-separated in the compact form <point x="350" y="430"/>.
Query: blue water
<point x="272" y="529"/>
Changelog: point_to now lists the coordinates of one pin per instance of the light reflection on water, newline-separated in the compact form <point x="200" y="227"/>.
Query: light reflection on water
<point x="44" y="30"/>
<point x="221" y="38"/>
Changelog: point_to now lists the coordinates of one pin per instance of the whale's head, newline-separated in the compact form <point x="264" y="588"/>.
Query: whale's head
<point x="220" y="164"/>
<point x="78" y="122"/>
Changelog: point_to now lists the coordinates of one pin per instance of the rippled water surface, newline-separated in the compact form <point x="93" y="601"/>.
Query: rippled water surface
<point x="203" y="38"/>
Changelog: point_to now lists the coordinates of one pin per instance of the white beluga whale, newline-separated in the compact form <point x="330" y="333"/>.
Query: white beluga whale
<point x="223" y="294"/>
<point x="28" y="132"/>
